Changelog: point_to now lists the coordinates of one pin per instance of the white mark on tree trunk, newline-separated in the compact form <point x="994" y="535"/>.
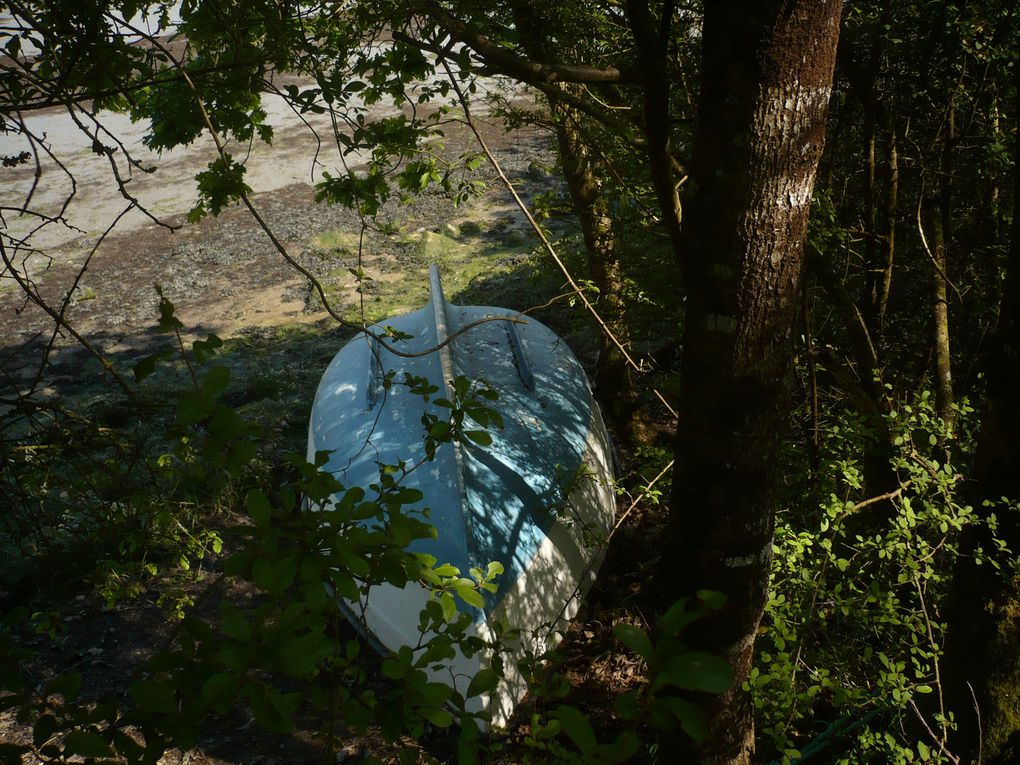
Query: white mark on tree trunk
<point x="740" y="561"/>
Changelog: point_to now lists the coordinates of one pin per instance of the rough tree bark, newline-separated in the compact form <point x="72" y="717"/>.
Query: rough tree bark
<point x="934" y="219"/>
<point x="614" y="384"/>
<point x="892" y="166"/>
<point x="766" y="78"/>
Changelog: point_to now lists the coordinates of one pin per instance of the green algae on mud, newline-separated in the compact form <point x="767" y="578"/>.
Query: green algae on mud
<point x="392" y="278"/>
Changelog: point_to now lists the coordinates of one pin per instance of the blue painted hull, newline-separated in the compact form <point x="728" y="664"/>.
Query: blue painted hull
<point x="539" y="499"/>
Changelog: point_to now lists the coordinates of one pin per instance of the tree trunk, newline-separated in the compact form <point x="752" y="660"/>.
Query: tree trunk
<point x="875" y="256"/>
<point x="766" y="79"/>
<point x="613" y="382"/>
<point x="891" y="202"/>
<point x="933" y="218"/>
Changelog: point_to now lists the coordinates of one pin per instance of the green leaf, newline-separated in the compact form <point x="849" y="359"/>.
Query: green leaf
<point x="203" y="349"/>
<point x="635" y="639"/>
<point x="68" y="686"/>
<point x="147" y="365"/>
<point x="43" y="729"/>
<point x="470" y="595"/>
<point x="220" y="690"/>
<point x="449" y="606"/>
<point x="691" y="718"/>
<point x="438" y="717"/>
<point x="696" y="671"/>
<point x="266" y="706"/>
<point x="577" y="727"/>
<point x="357" y="565"/>
<point x="439" y="430"/>
<point x="712" y="599"/>
<point x="679" y="615"/>
<point x="480" y="437"/>
<point x="484" y="681"/>
<point x="86" y="744"/>
<point x="167" y="321"/>
<point x="627" y="705"/>
<point x="215" y="381"/>
<point x="192" y="407"/>
<point x="259" y="508"/>
<point x="394" y="669"/>
<point x="624" y="747"/>
<point x="157" y="696"/>
<point x="235" y="624"/>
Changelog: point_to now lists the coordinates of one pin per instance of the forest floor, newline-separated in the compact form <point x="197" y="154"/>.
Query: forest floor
<point x="224" y="277"/>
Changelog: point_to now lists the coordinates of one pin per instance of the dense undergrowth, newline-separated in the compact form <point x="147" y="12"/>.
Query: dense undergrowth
<point x="848" y="656"/>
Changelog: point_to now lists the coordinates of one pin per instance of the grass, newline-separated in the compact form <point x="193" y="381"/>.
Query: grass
<point x="336" y="240"/>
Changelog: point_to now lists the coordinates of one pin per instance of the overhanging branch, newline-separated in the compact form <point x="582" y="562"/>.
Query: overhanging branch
<point x="513" y="64"/>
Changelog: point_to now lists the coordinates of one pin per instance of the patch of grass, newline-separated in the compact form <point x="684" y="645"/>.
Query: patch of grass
<point x="336" y="240"/>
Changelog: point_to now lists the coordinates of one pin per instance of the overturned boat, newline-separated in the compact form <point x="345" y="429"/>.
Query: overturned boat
<point x="538" y="499"/>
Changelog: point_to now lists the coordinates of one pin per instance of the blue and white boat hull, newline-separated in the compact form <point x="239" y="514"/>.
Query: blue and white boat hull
<point x="539" y="499"/>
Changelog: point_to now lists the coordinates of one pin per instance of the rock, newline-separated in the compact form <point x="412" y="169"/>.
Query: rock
<point x="537" y="171"/>
<point x="470" y="228"/>
<point x="514" y="237"/>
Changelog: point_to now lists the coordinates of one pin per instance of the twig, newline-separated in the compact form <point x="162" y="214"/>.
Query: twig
<point x="67" y="298"/>
<point x="61" y="321"/>
<point x="942" y="749"/>
<point x="934" y="262"/>
<point x="665" y="403"/>
<point x="605" y="544"/>
<point x="935" y="663"/>
<point x="880" y="498"/>
<point x="977" y="711"/>
<point x="641" y="495"/>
